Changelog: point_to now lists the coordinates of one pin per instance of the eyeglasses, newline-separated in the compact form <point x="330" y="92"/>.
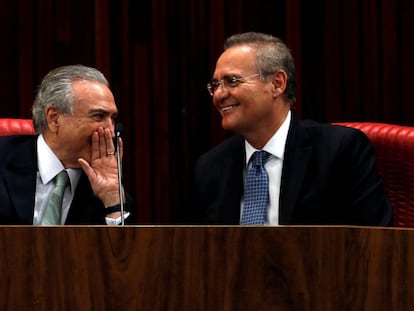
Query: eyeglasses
<point x="229" y="81"/>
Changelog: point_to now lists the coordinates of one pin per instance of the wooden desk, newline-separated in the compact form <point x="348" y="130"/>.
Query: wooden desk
<point x="206" y="268"/>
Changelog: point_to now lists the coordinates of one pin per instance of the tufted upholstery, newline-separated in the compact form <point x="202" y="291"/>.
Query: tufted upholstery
<point x="394" y="146"/>
<point x="16" y="127"/>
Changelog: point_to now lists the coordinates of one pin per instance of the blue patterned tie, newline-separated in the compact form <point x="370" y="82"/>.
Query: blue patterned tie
<point x="54" y="207"/>
<point x="256" y="191"/>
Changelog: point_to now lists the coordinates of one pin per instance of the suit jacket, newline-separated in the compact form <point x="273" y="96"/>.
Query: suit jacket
<point x="18" y="170"/>
<point x="329" y="177"/>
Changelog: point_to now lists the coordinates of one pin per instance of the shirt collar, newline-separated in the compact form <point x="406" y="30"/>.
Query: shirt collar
<point x="276" y="144"/>
<point x="49" y="165"/>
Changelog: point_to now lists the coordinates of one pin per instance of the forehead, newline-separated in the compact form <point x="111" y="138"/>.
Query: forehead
<point x="87" y="88"/>
<point x="237" y="59"/>
<point x="92" y="95"/>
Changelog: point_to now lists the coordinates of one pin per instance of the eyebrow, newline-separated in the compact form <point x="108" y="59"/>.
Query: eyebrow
<point x="228" y="76"/>
<point x="106" y="112"/>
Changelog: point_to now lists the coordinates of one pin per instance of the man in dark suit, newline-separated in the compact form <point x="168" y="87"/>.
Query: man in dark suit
<point x="73" y="113"/>
<point x="317" y="174"/>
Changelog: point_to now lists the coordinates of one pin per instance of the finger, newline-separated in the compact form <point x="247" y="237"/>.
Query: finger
<point x="95" y="152"/>
<point x="102" y="142"/>
<point x="109" y="143"/>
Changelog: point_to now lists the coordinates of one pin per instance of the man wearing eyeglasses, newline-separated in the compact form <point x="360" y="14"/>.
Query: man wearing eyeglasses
<point x="308" y="173"/>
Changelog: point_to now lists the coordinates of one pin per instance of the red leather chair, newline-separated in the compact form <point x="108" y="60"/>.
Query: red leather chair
<point x="394" y="146"/>
<point x="16" y="127"/>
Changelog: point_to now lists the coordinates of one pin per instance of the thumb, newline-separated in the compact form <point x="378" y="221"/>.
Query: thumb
<point x="86" y="168"/>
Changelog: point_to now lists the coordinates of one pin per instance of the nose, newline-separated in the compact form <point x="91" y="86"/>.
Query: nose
<point x="109" y="123"/>
<point x="221" y="84"/>
<point x="221" y="91"/>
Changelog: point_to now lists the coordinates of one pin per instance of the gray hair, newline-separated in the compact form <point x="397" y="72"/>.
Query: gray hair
<point x="272" y="55"/>
<point x="56" y="90"/>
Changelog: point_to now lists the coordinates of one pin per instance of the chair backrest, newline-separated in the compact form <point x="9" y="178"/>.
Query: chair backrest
<point x="10" y="126"/>
<point x="394" y="146"/>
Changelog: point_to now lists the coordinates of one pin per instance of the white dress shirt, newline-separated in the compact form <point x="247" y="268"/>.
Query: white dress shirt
<point x="276" y="147"/>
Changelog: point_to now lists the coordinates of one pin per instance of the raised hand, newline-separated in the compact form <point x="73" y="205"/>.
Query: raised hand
<point x="103" y="169"/>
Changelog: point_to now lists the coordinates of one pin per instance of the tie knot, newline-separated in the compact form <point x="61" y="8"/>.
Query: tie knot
<point x="259" y="158"/>
<point x="61" y="179"/>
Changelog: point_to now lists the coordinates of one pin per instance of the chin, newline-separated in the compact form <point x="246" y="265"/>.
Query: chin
<point x="228" y="126"/>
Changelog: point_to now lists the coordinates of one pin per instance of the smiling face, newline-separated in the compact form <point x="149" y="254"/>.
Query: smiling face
<point x="69" y="136"/>
<point x="255" y="108"/>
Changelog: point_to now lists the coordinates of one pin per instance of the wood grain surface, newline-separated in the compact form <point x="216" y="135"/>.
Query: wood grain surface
<point x="206" y="268"/>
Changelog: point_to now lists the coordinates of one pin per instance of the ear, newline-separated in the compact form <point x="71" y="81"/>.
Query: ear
<point x="279" y="81"/>
<point x="52" y="118"/>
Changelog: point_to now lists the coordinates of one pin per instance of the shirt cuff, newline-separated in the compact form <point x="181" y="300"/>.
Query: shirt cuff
<point x="116" y="221"/>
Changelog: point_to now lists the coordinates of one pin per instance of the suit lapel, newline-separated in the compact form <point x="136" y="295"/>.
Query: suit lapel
<point x="296" y="159"/>
<point x="232" y="182"/>
<point x="85" y="208"/>
<point x="20" y="179"/>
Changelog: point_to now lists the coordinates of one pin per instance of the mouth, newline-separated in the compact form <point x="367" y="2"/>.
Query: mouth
<point x="228" y="108"/>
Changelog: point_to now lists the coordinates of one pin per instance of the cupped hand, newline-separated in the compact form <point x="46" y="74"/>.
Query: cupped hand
<point x="103" y="169"/>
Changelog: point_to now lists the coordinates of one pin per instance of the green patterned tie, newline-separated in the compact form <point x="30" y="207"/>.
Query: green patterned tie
<point x="54" y="207"/>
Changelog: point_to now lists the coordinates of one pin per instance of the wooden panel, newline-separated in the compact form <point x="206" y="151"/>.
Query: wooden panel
<point x="206" y="268"/>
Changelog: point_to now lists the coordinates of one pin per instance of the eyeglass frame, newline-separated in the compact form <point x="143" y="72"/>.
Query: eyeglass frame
<point x="227" y="82"/>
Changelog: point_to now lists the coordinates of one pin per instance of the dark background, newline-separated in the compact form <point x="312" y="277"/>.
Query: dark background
<point x="354" y="62"/>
